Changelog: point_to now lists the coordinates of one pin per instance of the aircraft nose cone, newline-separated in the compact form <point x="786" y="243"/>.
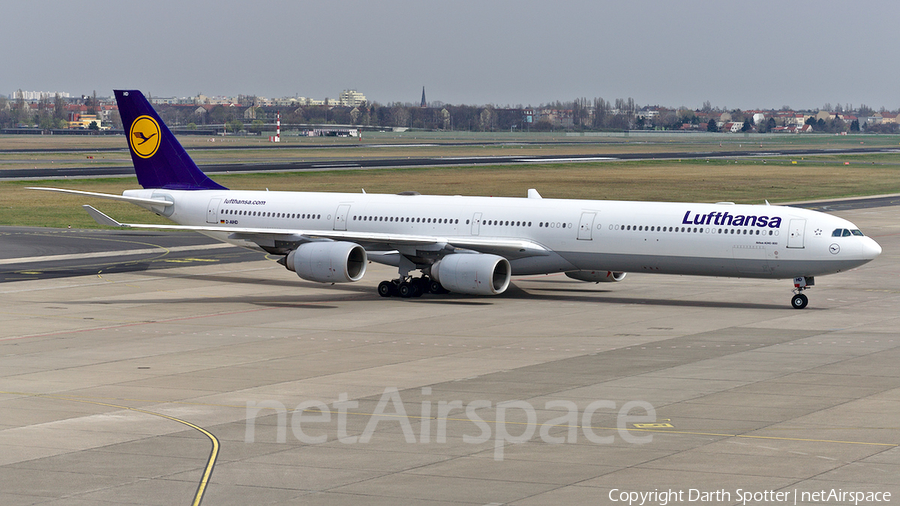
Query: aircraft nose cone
<point x="871" y="249"/>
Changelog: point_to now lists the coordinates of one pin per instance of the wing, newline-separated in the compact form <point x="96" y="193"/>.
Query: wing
<point x="275" y="239"/>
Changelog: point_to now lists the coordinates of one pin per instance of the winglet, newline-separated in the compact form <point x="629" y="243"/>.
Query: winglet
<point x="101" y="218"/>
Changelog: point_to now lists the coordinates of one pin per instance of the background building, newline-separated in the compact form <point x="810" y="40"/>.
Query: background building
<point x="351" y="98"/>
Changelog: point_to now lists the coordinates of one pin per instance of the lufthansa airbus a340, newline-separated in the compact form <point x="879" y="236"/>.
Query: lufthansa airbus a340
<point x="473" y="245"/>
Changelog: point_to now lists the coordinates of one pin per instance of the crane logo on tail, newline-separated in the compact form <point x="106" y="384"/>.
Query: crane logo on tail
<point x="144" y="136"/>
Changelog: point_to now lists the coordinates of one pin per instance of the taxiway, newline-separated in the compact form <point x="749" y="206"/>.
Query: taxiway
<point x="237" y="382"/>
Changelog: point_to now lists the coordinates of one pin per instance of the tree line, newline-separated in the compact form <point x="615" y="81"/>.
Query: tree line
<point x="48" y="114"/>
<point x="581" y="114"/>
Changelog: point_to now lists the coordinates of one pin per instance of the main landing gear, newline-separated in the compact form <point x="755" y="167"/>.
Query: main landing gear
<point x="410" y="287"/>
<point x="800" y="301"/>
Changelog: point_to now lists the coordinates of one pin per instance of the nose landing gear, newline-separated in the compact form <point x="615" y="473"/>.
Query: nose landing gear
<point x="799" y="300"/>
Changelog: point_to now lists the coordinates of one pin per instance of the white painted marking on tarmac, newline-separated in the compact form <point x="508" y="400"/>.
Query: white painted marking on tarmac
<point x="105" y="254"/>
<point x="558" y="160"/>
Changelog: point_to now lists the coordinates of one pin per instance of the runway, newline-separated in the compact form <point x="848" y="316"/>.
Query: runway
<point x="49" y="172"/>
<point x="232" y="381"/>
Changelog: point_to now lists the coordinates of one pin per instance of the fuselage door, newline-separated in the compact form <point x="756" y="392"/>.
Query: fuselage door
<point x="340" y="217"/>
<point x="795" y="233"/>
<point x="476" y="223"/>
<point x="586" y="225"/>
<point x="212" y="212"/>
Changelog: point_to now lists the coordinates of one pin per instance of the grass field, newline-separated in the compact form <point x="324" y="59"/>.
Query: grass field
<point x="744" y="180"/>
<point x="748" y="181"/>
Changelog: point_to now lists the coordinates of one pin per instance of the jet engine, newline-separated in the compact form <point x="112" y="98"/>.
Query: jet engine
<point x="328" y="262"/>
<point x="472" y="274"/>
<point x="596" y="276"/>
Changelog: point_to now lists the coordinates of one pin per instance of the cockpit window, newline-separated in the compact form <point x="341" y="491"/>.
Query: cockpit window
<point x="846" y="233"/>
<point x="837" y="232"/>
<point x="843" y="232"/>
<point x="857" y="232"/>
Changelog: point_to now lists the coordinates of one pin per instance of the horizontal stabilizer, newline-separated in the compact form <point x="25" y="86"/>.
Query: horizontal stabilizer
<point x="107" y="196"/>
<point x="101" y="218"/>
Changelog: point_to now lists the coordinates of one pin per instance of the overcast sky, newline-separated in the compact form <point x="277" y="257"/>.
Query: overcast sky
<point x="758" y="54"/>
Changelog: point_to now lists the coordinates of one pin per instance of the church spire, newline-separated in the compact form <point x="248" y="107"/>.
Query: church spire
<point x="424" y="104"/>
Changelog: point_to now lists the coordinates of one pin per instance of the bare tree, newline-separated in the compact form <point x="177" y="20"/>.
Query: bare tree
<point x="485" y="119"/>
<point x="399" y="116"/>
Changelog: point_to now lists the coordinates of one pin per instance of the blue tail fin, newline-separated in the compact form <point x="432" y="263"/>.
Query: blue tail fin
<point x="159" y="160"/>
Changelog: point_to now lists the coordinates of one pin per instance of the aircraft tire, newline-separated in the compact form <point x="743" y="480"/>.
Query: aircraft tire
<point x="799" y="301"/>
<point x="406" y="290"/>
<point x="435" y="287"/>
<point x="386" y="288"/>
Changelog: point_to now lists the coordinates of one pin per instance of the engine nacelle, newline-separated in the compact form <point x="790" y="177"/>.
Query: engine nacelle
<point x="597" y="276"/>
<point x="472" y="274"/>
<point x="328" y="262"/>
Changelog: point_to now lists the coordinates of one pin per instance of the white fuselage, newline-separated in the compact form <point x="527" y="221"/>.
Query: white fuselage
<point x="670" y="238"/>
